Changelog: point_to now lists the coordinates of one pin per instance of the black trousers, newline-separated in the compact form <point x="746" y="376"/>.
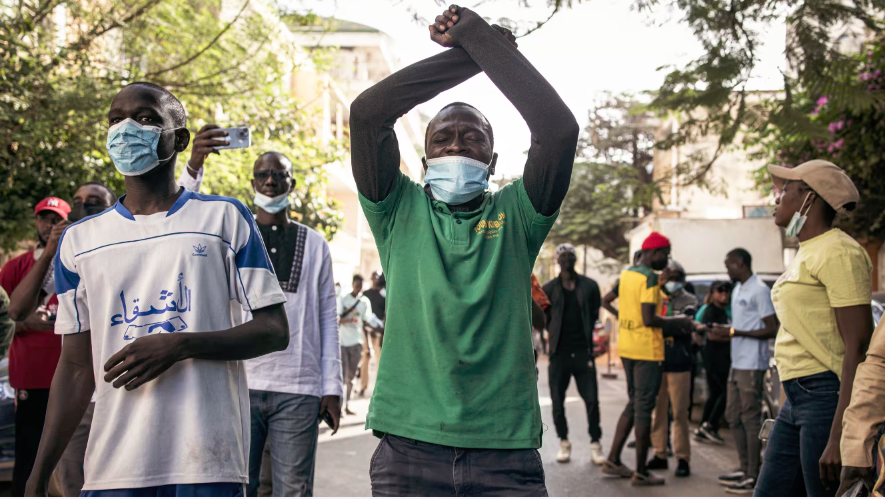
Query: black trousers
<point x="30" y="414"/>
<point x="403" y="467"/>
<point x="717" y="366"/>
<point x="563" y="366"/>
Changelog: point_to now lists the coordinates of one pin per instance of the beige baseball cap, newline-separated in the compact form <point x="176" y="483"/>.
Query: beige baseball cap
<point x="826" y="179"/>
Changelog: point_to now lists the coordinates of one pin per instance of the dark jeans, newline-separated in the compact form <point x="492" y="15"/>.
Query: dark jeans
<point x="717" y="368"/>
<point x="187" y="490"/>
<point x="643" y="383"/>
<point x="288" y="422"/>
<point x="30" y="414"/>
<point x="791" y="466"/>
<point x="406" y="467"/>
<point x="562" y="367"/>
<point x="744" y="413"/>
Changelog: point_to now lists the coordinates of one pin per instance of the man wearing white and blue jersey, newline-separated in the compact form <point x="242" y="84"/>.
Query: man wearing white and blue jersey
<point x="144" y="298"/>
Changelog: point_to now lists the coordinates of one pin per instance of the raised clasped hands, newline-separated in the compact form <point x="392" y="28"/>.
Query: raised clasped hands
<point x="439" y="30"/>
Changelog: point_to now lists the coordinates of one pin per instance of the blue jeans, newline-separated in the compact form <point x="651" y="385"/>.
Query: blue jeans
<point x="186" y="490"/>
<point x="791" y="466"/>
<point x="290" y="422"/>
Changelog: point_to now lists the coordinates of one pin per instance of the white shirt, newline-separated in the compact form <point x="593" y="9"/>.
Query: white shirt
<point x="350" y="325"/>
<point x="312" y="363"/>
<point x="122" y="279"/>
<point x="750" y="303"/>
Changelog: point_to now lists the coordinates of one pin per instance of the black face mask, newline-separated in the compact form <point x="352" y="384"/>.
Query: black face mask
<point x="82" y="210"/>
<point x="659" y="265"/>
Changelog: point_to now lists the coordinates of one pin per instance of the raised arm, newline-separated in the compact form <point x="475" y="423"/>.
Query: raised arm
<point x="373" y="143"/>
<point x="553" y="126"/>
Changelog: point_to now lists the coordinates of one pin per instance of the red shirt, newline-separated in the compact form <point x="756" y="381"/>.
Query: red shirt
<point x="33" y="355"/>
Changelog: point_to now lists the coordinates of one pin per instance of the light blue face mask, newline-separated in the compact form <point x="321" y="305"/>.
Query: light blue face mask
<point x="133" y="147"/>
<point x="456" y="179"/>
<point x="271" y="205"/>
<point x="673" y="287"/>
<point x="798" y="220"/>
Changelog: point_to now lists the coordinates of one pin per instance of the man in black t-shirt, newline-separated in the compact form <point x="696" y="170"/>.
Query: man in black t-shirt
<point x="571" y="317"/>
<point x="373" y="336"/>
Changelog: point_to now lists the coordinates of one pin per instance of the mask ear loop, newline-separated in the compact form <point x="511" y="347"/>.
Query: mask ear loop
<point x="174" y="152"/>
<point x="809" y="206"/>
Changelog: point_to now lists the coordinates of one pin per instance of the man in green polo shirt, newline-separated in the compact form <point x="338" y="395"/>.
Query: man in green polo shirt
<point x="456" y="400"/>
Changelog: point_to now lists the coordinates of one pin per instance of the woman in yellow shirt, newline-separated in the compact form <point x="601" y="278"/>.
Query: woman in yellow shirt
<point x="823" y="304"/>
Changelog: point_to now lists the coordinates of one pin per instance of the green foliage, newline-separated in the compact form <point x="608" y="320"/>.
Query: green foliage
<point x="613" y="188"/>
<point x="54" y="94"/>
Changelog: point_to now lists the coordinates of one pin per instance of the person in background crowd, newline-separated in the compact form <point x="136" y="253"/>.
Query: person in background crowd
<point x="290" y="389"/>
<point x="823" y="303"/>
<point x="676" y="379"/>
<point x="34" y="350"/>
<point x="572" y="316"/>
<point x="373" y="336"/>
<point x="717" y="361"/>
<point x="753" y="324"/>
<point x="612" y="295"/>
<point x="863" y="425"/>
<point x="471" y="251"/>
<point x="540" y="298"/>
<point x="354" y="312"/>
<point x="641" y="347"/>
<point x="7" y="325"/>
<point x="212" y="253"/>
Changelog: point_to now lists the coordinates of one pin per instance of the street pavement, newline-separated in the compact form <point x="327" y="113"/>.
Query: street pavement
<point x="343" y="460"/>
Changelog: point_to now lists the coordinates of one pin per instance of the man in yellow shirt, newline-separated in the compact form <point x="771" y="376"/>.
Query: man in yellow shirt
<point x="641" y="347"/>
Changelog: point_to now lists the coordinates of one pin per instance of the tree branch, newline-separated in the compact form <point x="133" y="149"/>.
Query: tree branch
<point x="204" y="49"/>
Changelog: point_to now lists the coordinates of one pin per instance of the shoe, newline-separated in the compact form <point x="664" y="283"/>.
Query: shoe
<point x="700" y="437"/>
<point x="657" y="463"/>
<point x="711" y="434"/>
<point x="565" y="452"/>
<point x="682" y="469"/>
<point x="611" y="469"/>
<point x="646" y="480"/>
<point x="596" y="455"/>
<point x="743" y="488"/>
<point x="732" y="478"/>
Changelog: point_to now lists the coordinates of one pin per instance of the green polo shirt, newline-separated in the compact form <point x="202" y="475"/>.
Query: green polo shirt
<point x="458" y="365"/>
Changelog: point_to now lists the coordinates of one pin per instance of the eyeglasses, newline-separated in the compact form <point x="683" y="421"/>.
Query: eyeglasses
<point x="278" y="176"/>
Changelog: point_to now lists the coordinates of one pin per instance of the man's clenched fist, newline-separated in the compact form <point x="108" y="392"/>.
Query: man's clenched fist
<point x="439" y="30"/>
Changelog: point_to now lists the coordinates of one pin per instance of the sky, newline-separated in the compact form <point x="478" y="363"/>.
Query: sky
<point x="597" y="46"/>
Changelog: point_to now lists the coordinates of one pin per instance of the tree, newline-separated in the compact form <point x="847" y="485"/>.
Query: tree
<point x="612" y="188"/>
<point x="57" y="90"/>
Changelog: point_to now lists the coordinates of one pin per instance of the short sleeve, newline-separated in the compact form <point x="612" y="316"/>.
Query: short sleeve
<point x="253" y="283"/>
<point x="537" y="226"/>
<point x="382" y="215"/>
<point x="847" y="276"/>
<point x="73" y="308"/>
<point x="650" y="292"/>
<point x="763" y="300"/>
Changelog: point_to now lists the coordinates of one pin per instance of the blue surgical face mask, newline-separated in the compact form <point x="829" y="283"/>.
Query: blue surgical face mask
<point x="133" y="147"/>
<point x="456" y="179"/>
<point x="798" y="221"/>
<point x="271" y="205"/>
<point x="673" y="287"/>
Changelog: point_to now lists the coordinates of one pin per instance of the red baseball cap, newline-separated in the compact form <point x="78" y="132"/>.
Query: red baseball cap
<point x="654" y="241"/>
<point x="53" y="204"/>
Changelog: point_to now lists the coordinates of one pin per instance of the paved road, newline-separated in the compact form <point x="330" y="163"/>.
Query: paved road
<point x="343" y="460"/>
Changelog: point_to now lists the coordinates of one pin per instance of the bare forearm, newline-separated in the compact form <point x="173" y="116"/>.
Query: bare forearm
<point x="854" y="354"/>
<point x="759" y="334"/>
<point x="610" y="308"/>
<point x="69" y="396"/>
<point x="265" y="333"/>
<point x="26" y="296"/>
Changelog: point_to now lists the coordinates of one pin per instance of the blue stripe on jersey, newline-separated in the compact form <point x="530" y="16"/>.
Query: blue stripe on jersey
<point x="65" y="280"/>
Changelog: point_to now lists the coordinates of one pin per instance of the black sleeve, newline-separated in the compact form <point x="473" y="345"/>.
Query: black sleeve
<point x="594" y="301"/>
<point x="553" y="126"/>
<point x="373" y="144"/>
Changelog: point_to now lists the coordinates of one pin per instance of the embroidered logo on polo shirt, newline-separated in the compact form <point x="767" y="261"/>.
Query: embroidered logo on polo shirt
<point x="200" y="251"/>
<point x="491" y="228"/>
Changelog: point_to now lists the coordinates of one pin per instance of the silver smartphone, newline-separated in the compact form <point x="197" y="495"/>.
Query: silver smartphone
<point x="765" y="431"/>
<point x="238" y="138"/>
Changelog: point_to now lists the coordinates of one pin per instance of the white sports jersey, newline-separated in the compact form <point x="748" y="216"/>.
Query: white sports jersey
<point x="122" y="278"/>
